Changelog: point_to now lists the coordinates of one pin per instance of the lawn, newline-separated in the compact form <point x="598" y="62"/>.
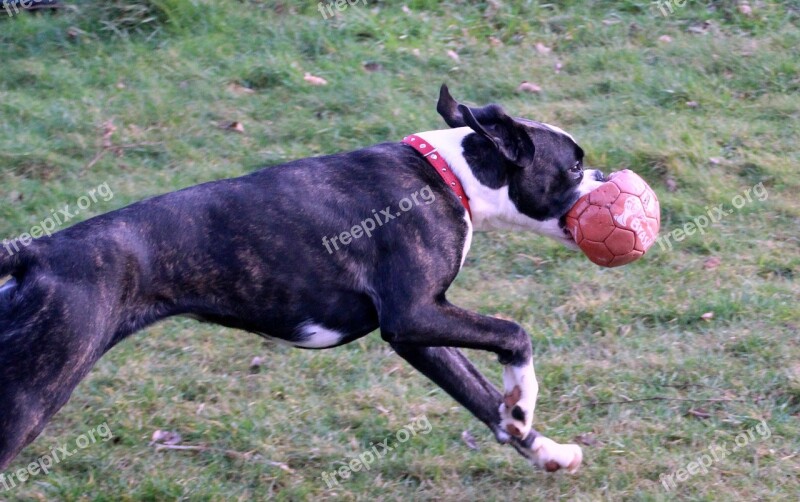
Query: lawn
<point x="679" y="374"/>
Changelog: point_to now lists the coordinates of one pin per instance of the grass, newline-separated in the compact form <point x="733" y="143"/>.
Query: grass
<point x="704" y="117"/>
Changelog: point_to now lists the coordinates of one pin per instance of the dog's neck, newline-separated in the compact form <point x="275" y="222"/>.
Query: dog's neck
<point x="492" y="208"/>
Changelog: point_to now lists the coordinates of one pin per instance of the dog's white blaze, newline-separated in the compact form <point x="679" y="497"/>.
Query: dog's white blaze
<point x="317" y="336"/>
<point x="544" y="125"/>
<point x="467" y="241"/>
<point x="558" y="130"/>
<point x="492" y="209"/>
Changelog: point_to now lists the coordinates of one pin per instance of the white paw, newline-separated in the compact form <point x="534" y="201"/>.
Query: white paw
<point x="519" y="401"/>
<point x="551" y="456"/>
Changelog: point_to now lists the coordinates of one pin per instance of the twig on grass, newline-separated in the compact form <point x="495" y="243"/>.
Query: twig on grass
<point x="237" y="455"/>
<point x="663" y="398"/>
<point x="116" y="149"/>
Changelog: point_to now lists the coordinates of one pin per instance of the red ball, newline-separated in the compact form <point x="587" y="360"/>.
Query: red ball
<point x="617" y="222"/>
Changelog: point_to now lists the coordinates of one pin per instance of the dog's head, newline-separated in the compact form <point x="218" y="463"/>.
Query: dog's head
<point x="538" y="167"/>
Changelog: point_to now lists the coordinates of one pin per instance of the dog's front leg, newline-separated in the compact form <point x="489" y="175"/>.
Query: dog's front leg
<point x="453" y="372"/>
<point x="443" y="324"/>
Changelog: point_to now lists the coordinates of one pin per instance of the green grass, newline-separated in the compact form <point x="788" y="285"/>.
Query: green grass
<point x="164" y="76"/>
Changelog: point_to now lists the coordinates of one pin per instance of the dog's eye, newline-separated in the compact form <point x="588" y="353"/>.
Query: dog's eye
<point x="577" y="169"/>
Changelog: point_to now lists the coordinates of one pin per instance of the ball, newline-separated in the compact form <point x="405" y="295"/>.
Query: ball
<point x="617" y="222"/>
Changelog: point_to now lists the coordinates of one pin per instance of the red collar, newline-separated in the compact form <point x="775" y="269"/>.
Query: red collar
<point x="440" y="166"/>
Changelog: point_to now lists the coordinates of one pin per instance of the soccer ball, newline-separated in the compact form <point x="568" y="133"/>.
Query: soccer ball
<point x="617" y="222"/>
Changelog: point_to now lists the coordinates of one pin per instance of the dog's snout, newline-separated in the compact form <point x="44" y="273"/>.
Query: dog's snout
<point x="598" y="175"/>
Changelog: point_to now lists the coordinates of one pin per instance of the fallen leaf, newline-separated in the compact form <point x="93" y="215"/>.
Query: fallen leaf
<point x="699" y="413"/>
<point x="557" y="67"/>
<point x="586" y="439"/>
<point x="239" y="89"/>
<point x="314" y="80"/>
<point x="665" y="39"/>
<point x="383" y="410"/>
<point x="702" y="29"/>
<point x="281" y="465"/>
<point x="692" y="104"/>
<point x="165" y="437"/>
<point x="711" y="263"/>
<point x="502" y="316"/>
<point x="707" y="316"/>
<point x="491" y="9"/>
<point x="715" y="160"/>
<point x="393" y="369"/>
<point x="256" y="363"/>
<point x="469" y="440"/>
<point x="495" y="42"/>
<point x="453" y="55"/>
<point x="406" y="9"/>
<point x="744" y="8"/>
<point x="542" y="49"/>
<point x="610" y="22"/>
<point x="108" y="130"/>
<point x="672" y="185"/>
<point x="528" y="87"/>
<point x="372" y="66"/>
<point x="234" y="126"/>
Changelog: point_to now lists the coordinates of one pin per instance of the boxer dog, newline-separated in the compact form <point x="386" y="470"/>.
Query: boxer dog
<point x="317" y="252"/>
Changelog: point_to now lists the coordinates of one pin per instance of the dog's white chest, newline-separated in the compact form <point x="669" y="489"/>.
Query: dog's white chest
<point x="316" y="336"/>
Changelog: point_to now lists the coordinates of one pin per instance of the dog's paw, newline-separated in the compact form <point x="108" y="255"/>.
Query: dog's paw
<point x="551" y="456"/>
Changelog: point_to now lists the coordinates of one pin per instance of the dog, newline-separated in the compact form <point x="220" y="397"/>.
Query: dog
<point x="313" y="252"/>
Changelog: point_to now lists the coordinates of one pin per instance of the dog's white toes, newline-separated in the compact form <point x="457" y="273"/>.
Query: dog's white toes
<point x="552" y="456"/>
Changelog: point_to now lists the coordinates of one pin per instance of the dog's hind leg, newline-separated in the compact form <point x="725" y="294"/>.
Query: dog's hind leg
<point x="453" y="372"/>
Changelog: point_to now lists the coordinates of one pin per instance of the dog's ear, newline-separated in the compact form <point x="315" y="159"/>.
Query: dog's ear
<point x="508" y="136"/>
<point x="448" y="108"/>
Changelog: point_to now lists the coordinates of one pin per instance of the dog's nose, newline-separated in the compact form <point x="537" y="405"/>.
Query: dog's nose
<point x="598" y="175"/>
